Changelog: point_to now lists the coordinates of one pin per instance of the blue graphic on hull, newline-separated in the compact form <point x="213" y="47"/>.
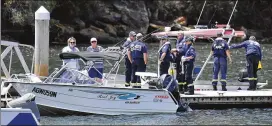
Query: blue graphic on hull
<point x="120" y="95"/>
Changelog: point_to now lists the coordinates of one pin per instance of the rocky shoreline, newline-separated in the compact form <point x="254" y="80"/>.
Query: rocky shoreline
<point x="111" y="21"/>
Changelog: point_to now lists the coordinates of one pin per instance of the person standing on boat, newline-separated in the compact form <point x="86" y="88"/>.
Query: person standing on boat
<point x="189" y="60"/>
<point x="180" y="49"/>
<point x="126" y="45"/>
<point x="165" y="55"/>
<point x="137" y="55"/>
<point x="181" y="40"/>
<point x="253" y="56"/>
<point x="220" y="52"/>
<point x="71" y="47"/>
<point x="96" y="71"/>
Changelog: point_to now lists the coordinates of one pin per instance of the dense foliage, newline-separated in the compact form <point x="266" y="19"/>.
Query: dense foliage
<point x="110" y="21"/>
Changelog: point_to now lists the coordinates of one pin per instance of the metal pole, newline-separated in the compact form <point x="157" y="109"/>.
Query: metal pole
<point x="202" y="68"/>
<point x="232" y="12"/>
<point x="10" y="60"/>
<point x="42" y="17"/>
<point x="1" y="45"/>
<point x="201" y="12"/>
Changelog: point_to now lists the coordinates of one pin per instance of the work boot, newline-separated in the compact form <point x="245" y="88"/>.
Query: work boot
<point x="214" y="87"/>
<point x="137" y="85"/>
<point x="185" y="88"/>
<point x="251" y="85"/>
<point x="181" y="89"/>
<point x="255" y="85"/>
<point x="250" y="88"/>
<point x="127" y="84"/>
<point x="191" y="91"/>
<point x="224" y="88"/>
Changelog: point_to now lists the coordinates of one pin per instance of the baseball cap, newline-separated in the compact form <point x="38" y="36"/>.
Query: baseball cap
<point x="164" y="37"/>
<point x="132" y="33"/>
<point x="93" y="39"/>
<point x="252" y="38"/>
<point x="219" y="34"/>
<point x="139" y="34"/>
<point x="190" y="38"/>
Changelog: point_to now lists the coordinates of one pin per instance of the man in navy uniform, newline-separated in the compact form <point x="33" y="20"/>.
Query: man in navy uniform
<point x="220" y="51"/>
<point x="253" y="56"/>
<point x="165" y="55"/>
<point x="137" y="55"/>
<point x="178" y="52"/>
<point x="189" y="58"/>
<point x="126" y="45"/>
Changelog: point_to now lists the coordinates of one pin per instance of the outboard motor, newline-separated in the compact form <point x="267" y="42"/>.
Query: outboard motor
<point x="27" y="101"/>
<point x="243" y="75"/>
<point x="170" y="84"/>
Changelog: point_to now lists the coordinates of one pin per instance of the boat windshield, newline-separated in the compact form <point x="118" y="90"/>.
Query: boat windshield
<point x="73" y="76"/>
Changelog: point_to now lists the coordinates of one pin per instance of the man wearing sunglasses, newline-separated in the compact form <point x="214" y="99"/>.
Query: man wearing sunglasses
<point x="130" y="39"/>
<point x="97" y="71"/>
<point x="71" y="47"/>
<point x="137" y="55"/>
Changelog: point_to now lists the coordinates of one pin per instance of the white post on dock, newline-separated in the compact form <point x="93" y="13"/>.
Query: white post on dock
<point x="42" y="17"/>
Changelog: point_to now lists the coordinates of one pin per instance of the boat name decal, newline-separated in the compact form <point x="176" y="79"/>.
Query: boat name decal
<point x="109" y="97"/>
<point x="44" y="92"/>
<point x="132" y="102"/>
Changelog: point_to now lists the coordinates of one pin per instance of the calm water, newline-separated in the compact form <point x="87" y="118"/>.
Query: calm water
<point x="206" y="117"/>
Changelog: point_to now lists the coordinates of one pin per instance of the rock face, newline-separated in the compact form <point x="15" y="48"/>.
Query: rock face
<point x="111" y="21"/>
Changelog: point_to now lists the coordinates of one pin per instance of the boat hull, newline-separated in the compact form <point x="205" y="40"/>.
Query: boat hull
<point x="99" y="100"/>
<point x="201" y="33"/>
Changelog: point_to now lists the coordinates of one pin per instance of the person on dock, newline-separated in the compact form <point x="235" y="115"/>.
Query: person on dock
<point x="137" y="55"/>
<point x="96" y="71"/>
<point x="220" y="52"/>
<point x="165" y="55"/>
<point x="126" y="45"/>
<point x="189" y="60"/>
<point x="71" y="47"/>
<point x="178" y="52"/>
<point x="253" y="57"/>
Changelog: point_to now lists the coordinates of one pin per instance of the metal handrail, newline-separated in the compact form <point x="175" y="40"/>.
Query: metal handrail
<point x="10" y="45"/>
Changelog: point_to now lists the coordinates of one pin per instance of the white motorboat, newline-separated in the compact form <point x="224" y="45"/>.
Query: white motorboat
<point x="67" y="91"/>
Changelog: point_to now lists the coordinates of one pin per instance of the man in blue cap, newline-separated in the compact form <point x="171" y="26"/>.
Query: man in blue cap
<point x="220" y="51"/>
<point x="137" y="55"/>
<point x="253" y="56"/>
<point x="165" y="55"/>
<point x="126" y="45"/>
<point x="189" y="59"/>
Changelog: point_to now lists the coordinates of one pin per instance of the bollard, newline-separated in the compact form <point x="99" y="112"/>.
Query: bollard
<point x="42" y="17"/>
